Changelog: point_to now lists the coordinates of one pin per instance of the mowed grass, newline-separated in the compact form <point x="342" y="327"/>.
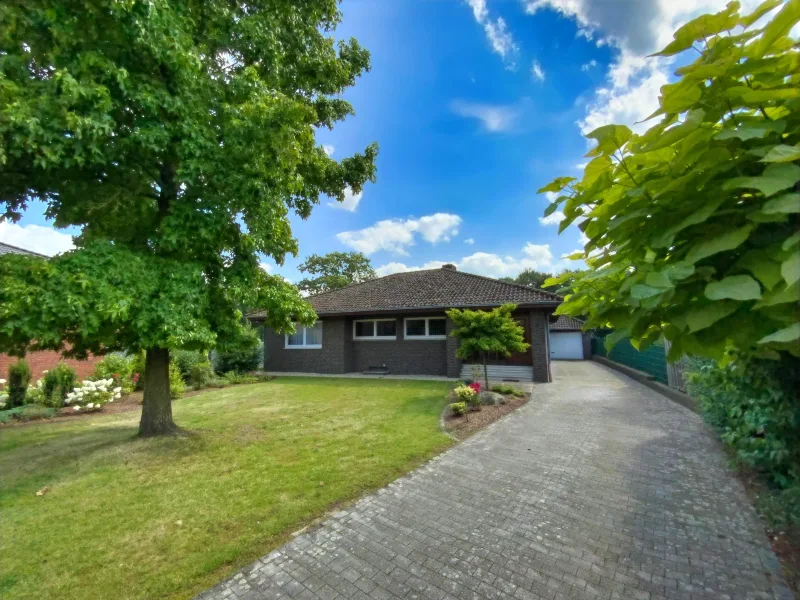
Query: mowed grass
<point x="165" y="518"/>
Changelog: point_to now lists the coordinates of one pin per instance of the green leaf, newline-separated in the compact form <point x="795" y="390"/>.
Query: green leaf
<point x="610" y="138"/>
<point x="767" y="271"/>
<point x="791" y="241"/>
<point x="551" y="208"/>
<point x="759" y="12"/>
<point x="701" y="28"/>
<point x="783" y="295"/>
<point x="788" y="203"/>
<point x="658" y="279"/>
<point x="735" y="287"/>
<point x="778" y="27"/>
<point x="558" y="184"/>
<point x="678" y="97"/>
<point x="720" y="243"/>
<point x="751" y="96"/>
<point x="788" y="334"/>
<point x="751" y="131"/>
<point x="680" y="270"/>
<point x="782" y="153"/>
<point x="776" y="177"/>
<point x="705" y="316"/>
<point x="595" y="168"/>
<point x="790" y="269"/>
<point x="640" y="291"/>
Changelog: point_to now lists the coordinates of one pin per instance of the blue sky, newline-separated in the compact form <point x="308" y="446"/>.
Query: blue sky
<point x="475" y="104"/>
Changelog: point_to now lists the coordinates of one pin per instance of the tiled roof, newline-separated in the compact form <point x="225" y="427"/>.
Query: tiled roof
<point x="9" y="249"/>
<point x="566" y="323"/>
<point x="432" y="288"/>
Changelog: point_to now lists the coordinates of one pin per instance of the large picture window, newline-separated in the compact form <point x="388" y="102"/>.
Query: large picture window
<point x="375" y="329"/>
<point x="305" y="337"/>
<point x="426" y="328"/>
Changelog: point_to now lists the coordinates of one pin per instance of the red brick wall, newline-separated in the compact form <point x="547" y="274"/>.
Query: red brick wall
<point x="46" y="360"/>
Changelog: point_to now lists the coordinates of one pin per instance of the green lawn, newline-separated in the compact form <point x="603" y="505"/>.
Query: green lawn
<point x="166" y="518"/>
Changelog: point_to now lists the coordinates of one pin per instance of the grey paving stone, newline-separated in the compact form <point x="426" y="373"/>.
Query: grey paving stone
<point x="599" y="488"/>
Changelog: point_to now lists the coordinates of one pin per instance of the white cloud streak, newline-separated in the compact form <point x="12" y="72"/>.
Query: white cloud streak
<point x="536" y="71"/>
<point x="494" y="118"/>
<point x="36" y="238"/>
<point x="552" y="219"/>
<point x="350" y="202"/>
<point x="397" y="235"/>
<point x="496" y="30"/>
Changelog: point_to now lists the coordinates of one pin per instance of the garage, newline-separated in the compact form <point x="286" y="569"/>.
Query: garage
<point x="566" y="339"/>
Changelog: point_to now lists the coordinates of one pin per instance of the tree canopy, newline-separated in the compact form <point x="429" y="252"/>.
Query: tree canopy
<point x="483" y="332"/>
<point x="334" y="270"/>
<point x="178" y="135"/>
<point x="529" y="278"/>
<point x="693" y="225"/>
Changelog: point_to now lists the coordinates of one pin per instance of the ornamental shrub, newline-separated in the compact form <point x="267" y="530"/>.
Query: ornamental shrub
<point x="504" y="388"/>
<point x="176" y="384"/>
<point x="93" y="395"/>
<point x="3" y="394"/>
<point x="19" y="378"/>
<point x="246" y="357"/>
<point x="464" y="393"/>
<point x="186" y="360"/>
<point x="459" y="408"/>
<point x="117" y="367"/>
<point x="753" y="404"/>
<point x="58" y="382"/>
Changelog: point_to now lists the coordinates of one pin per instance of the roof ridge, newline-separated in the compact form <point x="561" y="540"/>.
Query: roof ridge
<point x="24" y="249"/>
<point x="519" y="285"/>
<point x="352" y="285"/>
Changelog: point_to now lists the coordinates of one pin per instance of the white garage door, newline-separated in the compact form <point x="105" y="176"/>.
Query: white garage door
<point x="566" y="345"/>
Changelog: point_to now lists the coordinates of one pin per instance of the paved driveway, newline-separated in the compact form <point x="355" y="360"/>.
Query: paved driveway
<point x="598" y="488"/>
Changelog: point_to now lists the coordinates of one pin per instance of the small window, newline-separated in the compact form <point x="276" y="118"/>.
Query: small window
<point x="427" y="328"/>
<point x="305" y="337"/>
<point x="375" y="329"/>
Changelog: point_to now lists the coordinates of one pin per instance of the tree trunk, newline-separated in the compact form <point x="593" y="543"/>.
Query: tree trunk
<point x="157" y="406"/>
<point x="485" y="371"/>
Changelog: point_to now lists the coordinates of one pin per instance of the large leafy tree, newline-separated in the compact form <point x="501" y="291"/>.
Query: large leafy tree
<point x="482" y="333"/>
<point x="693" y="226"/>
<point x="334" y="270"/>
<point x="530" y="278"/>
<point x="177" y="135"/>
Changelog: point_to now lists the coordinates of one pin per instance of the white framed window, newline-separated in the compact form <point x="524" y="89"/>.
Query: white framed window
<point x="309" y="338"/>
<point x="425" y="328"/>
<point x="375" y="329"/>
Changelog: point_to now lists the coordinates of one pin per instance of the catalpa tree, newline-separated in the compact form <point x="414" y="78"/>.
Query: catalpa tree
<point x="693" y="226"/>
<point x="178" y="135"/>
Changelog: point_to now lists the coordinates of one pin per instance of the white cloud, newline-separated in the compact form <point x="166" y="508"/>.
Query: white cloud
<point x="396" y="235"/>
<point x="469" y="241"/>
<point x="496" y="30"/>
<point x="36" y="238"/>
<point x="583" y="238"/>
<point x="495" y="118"/>
<point x="635" y="28"/>
<point x="551" y="196"/>
<point x="329" y="149"/>
<point x="267" y="268"/>
<point x="536" y="71"/>
<point x="350" y="201"/>
<point x="552" y="219"/>
<point x="533" y="256"/>
<point x="589" y="66"/>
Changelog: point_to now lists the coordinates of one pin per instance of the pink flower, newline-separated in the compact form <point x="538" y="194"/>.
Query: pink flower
<point x="476" y="386"/>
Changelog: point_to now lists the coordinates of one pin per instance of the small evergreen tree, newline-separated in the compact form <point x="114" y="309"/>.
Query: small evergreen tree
<point x="483" y="332"/>
<point x="19" y="378"/>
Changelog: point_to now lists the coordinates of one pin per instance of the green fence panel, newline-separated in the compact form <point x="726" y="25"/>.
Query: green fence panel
<point x="652" y="361"/>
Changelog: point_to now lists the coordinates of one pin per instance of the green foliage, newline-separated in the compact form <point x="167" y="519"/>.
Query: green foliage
<point x="335" y="270"/>
<point x="503" y="388"/>
<point x="234" y="378"/>
<point x="137" y="370"/>
<point x="176" y="384"/>
<point x="118" y="367"/>
<point x="692" y="225"/>
<point x="186" y="360"/>
<point x="19" y="378"/>
<point x="529" y="278"/>
<point x="464" y="393"/>
<point x="483" y="332"/>
<point x="458" y="408"/>
<point x="58" y="382"/>
<point x="200" y="375"/>
<point x="28" y="412"/>
<point x="194" y="121"/>
<point x="753" y="404"/>
<point x="245" y="356"/>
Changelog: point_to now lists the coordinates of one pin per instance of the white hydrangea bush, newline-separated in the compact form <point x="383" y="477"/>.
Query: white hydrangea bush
<point x="3" y="395"/>
<point x="93" y="395"/>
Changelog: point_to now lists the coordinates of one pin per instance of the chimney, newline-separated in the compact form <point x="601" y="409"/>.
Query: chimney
<point x="450" y="266"/>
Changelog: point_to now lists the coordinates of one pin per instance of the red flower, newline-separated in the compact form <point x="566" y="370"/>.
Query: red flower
<point x="115" y="375"/>
<point x="476" y="386"/>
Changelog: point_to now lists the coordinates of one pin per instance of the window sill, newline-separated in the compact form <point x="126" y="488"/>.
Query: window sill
<point x="303" y="347"/>
<point x="385" y="338"/>
<point x="426" y="337"/>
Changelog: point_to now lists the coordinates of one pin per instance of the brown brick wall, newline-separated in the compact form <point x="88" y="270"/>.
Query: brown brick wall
<point x="46" y="360"/>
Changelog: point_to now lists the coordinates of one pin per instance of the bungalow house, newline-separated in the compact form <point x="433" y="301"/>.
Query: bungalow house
<point x="397" y="324"/>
